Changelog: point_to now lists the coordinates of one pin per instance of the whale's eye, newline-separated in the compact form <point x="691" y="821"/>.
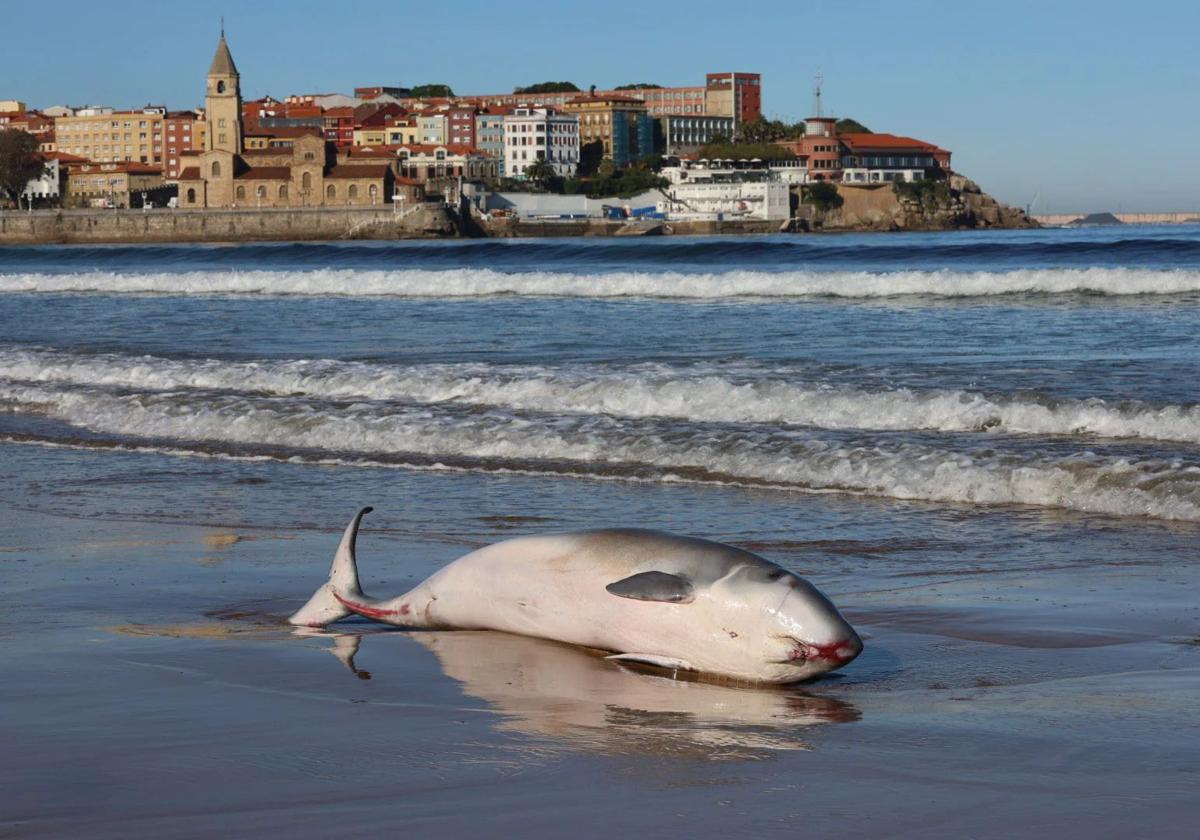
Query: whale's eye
<point x="767" y="575"/>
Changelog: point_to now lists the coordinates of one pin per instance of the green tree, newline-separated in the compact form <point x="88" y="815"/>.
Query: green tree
<point x="432" y="90"/>
<point x="849" y="126"/>
<point x="540" y="172"/>
<point x="548" y="87"/>
<point x="638" y="86"/>
<point x="749" y="151"/>
<point x="768" y="131"/>
<point x="822" y="195"/>
<point x="590" y="155"/>
<point x="20" y="162"/>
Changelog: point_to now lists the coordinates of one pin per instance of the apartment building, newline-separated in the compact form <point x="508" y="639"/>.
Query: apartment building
<point x="736" y="95"/>
<point x="532" y="134"/>
<point x="685" y="134"/>
<point x="105" y="135"/>
<point x="183" y="131"/>
<point x="110" y="184"/>
<point x="620" y="124"/>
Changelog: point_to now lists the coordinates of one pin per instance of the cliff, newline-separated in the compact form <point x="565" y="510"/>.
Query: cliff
<point x="927" y="205"/>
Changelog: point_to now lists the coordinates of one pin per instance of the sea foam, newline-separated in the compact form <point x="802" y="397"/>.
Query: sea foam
<point x="469" y="283"/>
<point x="737" y="394"/>
<point x="603" y="446"/>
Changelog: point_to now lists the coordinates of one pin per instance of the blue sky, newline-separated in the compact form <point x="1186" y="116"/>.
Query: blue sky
<point x="1092" y="105"/>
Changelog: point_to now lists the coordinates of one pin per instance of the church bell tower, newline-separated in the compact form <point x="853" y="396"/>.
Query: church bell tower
<point x="223" y="103"/>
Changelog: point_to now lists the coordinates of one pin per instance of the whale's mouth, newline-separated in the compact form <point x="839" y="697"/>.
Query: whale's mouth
<point x="835" y="655"/>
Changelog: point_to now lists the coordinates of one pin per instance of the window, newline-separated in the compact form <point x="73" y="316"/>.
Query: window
<point x="220" y="87"/>
<point x="240" y="193"/>
<point x="353" y="192"/>
<point x="261" y="192"/>
<point x="191" y="196"/>
<point x="216" y="169"/>
<point x="330" y="192"/>
<point x="283" y="191"/>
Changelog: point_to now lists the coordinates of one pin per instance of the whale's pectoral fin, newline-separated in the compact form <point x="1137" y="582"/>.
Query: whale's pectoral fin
<point x="669" y="662"/>
<point x="654" y="586"/>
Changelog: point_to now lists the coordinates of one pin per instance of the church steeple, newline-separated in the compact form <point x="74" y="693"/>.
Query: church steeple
<point x="223" y="103"/>
<point x="222" y="63"/>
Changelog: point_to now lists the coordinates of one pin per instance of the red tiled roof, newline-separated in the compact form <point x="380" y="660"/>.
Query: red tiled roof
<point x="191" y="173"/>
<point x="359" y="171"/>
<point x="270" y="150"/>
<point x="284" y="132"/>
<point x="65" y="158"/>
<point x="265" y="173"/>
<point x="376" y="151"/>
<point x="859" y="142"/>
<point x="345" y="111"/>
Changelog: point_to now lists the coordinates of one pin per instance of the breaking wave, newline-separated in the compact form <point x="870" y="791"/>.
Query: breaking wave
<point x="744" y="393"/>
<point x="456" y="436"/>
<point x="471" y="283"/>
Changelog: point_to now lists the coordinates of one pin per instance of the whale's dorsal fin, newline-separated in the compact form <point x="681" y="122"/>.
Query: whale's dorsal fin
<point x="654" y="586"/>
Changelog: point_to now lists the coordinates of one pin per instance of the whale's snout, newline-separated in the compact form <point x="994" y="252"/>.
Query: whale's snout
<point x="834" y="655"/>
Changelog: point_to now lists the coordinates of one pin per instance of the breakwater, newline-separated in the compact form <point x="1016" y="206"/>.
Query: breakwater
<point x="241" y="225"/>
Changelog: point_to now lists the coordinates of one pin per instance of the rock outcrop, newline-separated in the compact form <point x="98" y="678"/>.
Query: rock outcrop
<point x="925" y="205"/>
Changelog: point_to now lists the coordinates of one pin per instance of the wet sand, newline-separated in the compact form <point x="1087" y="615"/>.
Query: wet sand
<point x="150" y="688"/>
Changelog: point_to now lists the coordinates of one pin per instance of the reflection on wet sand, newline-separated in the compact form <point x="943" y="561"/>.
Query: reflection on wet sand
<point x="549" y="690"/>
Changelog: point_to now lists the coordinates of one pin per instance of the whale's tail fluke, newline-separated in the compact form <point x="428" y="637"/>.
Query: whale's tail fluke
<point x="329" y="603"/>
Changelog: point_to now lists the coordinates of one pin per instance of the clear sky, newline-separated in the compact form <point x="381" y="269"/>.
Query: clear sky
<point x="1092" y="105"/>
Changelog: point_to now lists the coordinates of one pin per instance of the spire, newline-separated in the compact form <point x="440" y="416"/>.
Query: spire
<point x="222" y="63"/>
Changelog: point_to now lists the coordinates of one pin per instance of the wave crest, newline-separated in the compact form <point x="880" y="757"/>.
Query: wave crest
<point x="472" y="283"/>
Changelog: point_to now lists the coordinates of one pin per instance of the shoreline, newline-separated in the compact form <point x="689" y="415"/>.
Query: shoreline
<point x="426" y="222"/>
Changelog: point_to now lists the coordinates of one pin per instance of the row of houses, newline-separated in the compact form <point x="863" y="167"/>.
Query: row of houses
<point x="383" y="145"/>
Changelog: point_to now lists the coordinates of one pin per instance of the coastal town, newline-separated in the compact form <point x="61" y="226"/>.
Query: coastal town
<point x="549" y="152"/>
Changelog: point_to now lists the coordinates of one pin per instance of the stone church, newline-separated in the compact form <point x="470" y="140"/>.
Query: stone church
<point x="301" y="171"/>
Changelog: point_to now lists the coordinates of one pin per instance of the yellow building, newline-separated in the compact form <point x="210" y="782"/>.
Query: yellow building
<point x="619" y="123"/>
<point x="102" y="134"/>
<point x="109" y="184"/>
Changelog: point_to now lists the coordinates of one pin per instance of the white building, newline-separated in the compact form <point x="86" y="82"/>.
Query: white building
<point x="46" y="186"/>
<point x="727" y="190"/>
<point x="863" y="175"/>
<point x="533" y="134"/>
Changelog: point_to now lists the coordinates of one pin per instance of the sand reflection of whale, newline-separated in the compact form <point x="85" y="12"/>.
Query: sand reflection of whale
<point x="668" y="601"/>
<point x="550" y="690"/>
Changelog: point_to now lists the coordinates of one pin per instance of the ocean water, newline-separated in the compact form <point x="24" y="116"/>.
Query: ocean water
<point x="1055" y="370"/>
<point x="985" y="447"/>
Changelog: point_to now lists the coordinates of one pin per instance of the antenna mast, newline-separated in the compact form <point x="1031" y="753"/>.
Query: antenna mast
<point x="817" y="95"/>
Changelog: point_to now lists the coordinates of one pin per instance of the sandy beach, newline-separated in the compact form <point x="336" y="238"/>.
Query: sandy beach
<point x="153" y="690"/>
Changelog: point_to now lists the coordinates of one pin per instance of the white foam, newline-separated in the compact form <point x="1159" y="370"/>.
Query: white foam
<point x="745" y="394"/>
<point x="466" y="283"/>
<point x="1163" y="488"/>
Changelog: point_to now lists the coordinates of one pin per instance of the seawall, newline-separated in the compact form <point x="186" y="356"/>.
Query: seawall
<point x="241" y="225"/>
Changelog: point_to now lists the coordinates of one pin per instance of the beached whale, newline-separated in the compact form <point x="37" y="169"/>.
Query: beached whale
<point x="674" y="602"/>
